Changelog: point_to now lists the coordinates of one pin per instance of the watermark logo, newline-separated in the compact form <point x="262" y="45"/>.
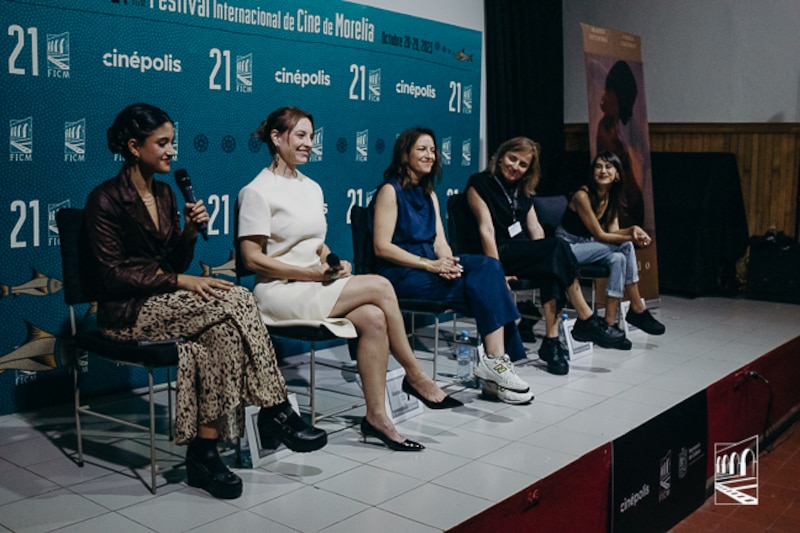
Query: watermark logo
<point x="75" y="141"/>
<point x="316" y="145"/>
<point x="447" y="150"/>
<point x="362" y="143"/>
<point x="20" y="139"/>
<point x="665" y="476"/>
<point x="736" y="472"/>
<point x="467" y="100"/>
<point x="466" y="153"/>
<point x="244" y="73"/>
<point x="375" y="85"/>
<point x="53" y="237"/>
<point x="58" y="55"/>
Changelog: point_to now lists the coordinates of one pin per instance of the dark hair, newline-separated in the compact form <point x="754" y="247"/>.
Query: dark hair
<point x="137" y="121"/>
<point x="519" y="144"/>
<point x="620" y="80"/>
<point x="398" y="168"/>
<point x="282" y="120"/>
<point x="616" y="196"/>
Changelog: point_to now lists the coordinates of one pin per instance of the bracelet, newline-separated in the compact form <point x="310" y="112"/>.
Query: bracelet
<point x="424" y="262"/>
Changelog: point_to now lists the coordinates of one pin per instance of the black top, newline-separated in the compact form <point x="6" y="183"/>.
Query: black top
<point x="507" y="205"/>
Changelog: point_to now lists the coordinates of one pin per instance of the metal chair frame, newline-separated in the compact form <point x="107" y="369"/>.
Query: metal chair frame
<point x="77" y="269"/>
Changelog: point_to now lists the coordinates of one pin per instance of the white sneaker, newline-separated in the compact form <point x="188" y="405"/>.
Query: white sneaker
<point x="500" y="370"/>
<point x="493" y="390"/>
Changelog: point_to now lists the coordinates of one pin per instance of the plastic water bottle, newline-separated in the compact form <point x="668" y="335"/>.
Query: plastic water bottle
<point x="463" y="357"/>
<point x="562" y="329"/>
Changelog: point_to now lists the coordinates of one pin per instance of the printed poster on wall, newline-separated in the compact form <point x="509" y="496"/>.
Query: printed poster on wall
<point x="618" y="124"/>
<point x="218" y="68"/>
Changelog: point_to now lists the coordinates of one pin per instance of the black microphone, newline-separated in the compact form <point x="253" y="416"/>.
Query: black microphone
<point x="185" y="185"/>
<point x="333" y="261"/>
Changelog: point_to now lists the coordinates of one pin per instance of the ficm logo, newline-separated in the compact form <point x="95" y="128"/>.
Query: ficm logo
<point x="58" y="55"/>
<point x="736" y="472"/>
<point x="142" y="63"/>
<point x="244" y="73"/>
<point x="20" y="139"/>
<point x="75" y="141"/>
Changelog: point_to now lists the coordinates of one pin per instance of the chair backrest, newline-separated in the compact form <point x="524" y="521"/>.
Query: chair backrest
<point x="363" y="248"/>
<point x="77" y="262"/>
<point x="550" y="210"/>
<point x="462" y="226"/>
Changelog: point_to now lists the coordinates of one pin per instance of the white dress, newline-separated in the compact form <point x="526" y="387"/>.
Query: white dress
<point x="289" y="212"/>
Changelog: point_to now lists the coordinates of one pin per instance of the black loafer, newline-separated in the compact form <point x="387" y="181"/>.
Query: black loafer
<point x="287" y="427"/>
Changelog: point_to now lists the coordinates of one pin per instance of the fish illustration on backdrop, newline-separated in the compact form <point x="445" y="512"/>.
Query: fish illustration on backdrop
<point x="38" y="352"/>
<point x="39" y="285"/>
<point x="228" y="268"/>
<point x="461" y="55"/>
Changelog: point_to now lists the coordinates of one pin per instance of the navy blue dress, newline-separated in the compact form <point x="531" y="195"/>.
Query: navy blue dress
<point x="480" y="292"/>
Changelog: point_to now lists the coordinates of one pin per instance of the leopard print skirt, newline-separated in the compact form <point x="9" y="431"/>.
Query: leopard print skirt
<point x="227" y="362"/>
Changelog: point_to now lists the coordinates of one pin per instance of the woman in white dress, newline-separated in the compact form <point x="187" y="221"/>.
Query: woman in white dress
<point x="282" y="231"/>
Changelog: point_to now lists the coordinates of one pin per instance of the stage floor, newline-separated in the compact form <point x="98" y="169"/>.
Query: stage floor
<point x="476" y="455"/>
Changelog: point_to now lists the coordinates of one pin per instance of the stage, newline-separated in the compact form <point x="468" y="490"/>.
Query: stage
<point x="487" y="465"/>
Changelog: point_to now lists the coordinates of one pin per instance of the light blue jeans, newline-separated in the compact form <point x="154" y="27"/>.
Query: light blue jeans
<point x="620" y="258"/>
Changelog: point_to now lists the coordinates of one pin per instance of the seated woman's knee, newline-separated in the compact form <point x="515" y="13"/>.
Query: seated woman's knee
<point x="370" y="319"/>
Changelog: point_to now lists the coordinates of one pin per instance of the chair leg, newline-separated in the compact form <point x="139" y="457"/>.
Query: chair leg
<point x="313" y="383"/>
<point x="152" y="432"/>
<point x="435" y="343"/>
<point x="170" y="388"/>
<point x="77" y="395"/>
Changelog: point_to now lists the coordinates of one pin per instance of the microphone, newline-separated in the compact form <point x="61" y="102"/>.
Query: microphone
<point x="333" y="261"/>
<point x="185" y="185"/>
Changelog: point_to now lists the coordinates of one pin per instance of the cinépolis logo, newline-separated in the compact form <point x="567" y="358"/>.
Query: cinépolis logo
<point x="142" y="63"/>
<point x="302" y="79"/>
<point x="415" y="90"/>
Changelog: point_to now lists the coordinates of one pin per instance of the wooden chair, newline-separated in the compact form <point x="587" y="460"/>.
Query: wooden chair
<point x="79" y="288"/>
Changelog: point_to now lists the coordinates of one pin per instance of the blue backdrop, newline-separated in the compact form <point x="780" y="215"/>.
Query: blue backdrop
<point x="218" y="68"/>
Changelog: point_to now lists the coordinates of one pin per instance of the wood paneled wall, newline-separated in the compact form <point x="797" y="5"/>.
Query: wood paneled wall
<point x="768" y="156"/>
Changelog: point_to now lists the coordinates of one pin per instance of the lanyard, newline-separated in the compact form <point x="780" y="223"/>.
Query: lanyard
<point x="512" y="202"/>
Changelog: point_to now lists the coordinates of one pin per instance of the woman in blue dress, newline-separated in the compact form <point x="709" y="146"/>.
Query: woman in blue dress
<point x="414" y="255"/>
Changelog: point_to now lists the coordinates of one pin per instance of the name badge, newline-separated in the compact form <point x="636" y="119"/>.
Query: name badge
<point x="514" y="229"/>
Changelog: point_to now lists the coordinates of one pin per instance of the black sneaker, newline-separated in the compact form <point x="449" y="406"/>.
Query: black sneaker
<point x="645" y="322"/>
<point x="595" y="329"/>
<point x="624" y="343"/>
<point x="552" y="353"/>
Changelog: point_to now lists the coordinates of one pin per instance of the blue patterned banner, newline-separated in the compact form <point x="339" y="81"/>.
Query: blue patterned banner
<point x="218" y="68"/>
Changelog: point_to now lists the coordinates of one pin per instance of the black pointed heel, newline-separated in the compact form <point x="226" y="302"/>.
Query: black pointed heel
<point x="368" y="430"/>
<point x="447" y="403"/>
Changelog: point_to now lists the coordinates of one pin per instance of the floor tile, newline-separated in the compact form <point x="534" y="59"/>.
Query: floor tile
<point x="529" y="459"/>
<point x="178" y="511"/>
<point x="436" y="506"/>
<point x="485" y="480"/>
<point x="18" y="483"/>
<point x="309" y="509"/>
<point x="243" y="522"/>
<point x="48" y="511"/>
<point x="106" y="523"/>
<point x="374" y="519"/>
<point x="369" y="484"/>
